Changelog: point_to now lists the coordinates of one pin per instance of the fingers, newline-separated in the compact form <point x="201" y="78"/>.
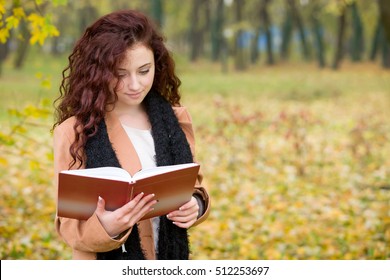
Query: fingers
<point x="138" y="201"/>
<point x="115" y="222"/>
<point x="100" y="208"/>
<point x="187" y="214"/>
<point x="182" y="216"/>
<point x="184" y="221"/>
<point x="140" y="205"/>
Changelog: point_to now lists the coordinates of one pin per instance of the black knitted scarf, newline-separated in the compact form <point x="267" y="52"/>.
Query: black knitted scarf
<point x="171" y="148"/>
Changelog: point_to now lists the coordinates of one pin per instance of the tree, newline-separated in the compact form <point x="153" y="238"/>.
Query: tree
<point x="239" y="52"/>
<point x="357" y="40"/>
<point x="384" y="10"/>
<point x="217" y="24"/>
<point x="87" y="14"/>
<point x="30" y="21"/>
<point x="318" y="32"/>
<point x="266" y="19"/>
<point x="287" y="29"/>
<point x="377" y="39"/>
<point x="339" y="48"/>
<point x="22" y="45"/>
<point x="196" y="30"/>
<point x="297" y="18"/>
<point x="4" y="48"/>
<point x="157" y="12"/>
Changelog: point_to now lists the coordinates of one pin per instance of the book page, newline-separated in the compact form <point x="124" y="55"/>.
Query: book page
<point x="111" y="173"/>
<point x="161" y="169"/>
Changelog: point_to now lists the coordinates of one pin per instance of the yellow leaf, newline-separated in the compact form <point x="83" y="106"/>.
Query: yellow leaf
<point x="19" y="12"/>
<point x="33" y="165"/>
<point x="4" y="34"/>
<point x="46" y="83"/>
<point x="12" y="22"/>
<point x="3" y="161"/>
<point x="36" y="20"/>
<point x="37" y="37"/>
<point x="2" y="8"/>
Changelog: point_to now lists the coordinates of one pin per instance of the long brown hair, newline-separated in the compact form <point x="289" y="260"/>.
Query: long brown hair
<point x="84" y="91"/>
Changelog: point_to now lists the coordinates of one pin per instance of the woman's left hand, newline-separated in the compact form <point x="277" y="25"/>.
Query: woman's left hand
<point x="187" y="214"/>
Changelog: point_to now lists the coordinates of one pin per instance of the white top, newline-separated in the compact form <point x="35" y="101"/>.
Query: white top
<point x="144" y="145"/>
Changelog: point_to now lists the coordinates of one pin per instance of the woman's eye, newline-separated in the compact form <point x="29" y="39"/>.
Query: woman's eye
<point x="121" y="75"/>
<point x="144" y="72"/>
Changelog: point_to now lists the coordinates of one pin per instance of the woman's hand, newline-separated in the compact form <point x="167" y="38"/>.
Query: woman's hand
<point x="187" y="214"/>
<point x="116" y="222"/>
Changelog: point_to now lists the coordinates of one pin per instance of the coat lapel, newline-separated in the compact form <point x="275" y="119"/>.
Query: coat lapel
<point x="129" y="160"/>
<point x="122" y="145"/>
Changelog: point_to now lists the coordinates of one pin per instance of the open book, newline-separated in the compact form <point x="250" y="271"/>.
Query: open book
<point x="78" y="190"/>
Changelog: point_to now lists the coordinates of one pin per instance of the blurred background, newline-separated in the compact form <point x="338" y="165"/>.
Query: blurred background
<point x="290" y="101"/>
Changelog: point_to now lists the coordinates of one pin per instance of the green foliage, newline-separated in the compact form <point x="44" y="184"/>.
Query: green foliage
<point x="40" y="25"/>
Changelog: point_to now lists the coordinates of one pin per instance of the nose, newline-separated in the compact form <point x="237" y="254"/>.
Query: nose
<point x="132" y="83"/>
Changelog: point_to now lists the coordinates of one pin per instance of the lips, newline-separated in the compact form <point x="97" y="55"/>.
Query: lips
<point x="134" y="95"/>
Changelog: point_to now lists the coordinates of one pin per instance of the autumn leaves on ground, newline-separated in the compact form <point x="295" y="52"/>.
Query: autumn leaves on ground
<point x="296" y="160"/>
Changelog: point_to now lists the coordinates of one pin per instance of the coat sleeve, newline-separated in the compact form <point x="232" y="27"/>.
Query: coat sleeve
<point x="200" y="192"/>
<point x="88" y="235"/>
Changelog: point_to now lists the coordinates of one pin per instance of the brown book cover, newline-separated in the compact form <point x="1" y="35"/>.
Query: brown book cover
<point x="78" y="190"/>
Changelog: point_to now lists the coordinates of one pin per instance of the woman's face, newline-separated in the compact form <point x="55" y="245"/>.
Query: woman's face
<point x="136" y="74"/>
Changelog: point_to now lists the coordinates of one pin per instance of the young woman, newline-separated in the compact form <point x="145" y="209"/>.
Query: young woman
<point x="120" y="106"/>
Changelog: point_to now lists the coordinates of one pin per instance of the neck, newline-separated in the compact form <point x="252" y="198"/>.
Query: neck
<point x="133" y="116"/>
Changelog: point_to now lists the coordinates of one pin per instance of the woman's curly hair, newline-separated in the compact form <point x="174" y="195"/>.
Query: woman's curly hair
<point x="85" y="92"/>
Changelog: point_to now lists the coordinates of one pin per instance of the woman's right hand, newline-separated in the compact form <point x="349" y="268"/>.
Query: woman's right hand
<point x="116" y="222"/>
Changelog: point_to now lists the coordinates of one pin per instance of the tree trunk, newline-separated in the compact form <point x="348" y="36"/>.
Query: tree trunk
<point x="63" y="22"/>
<point x="340" y="44"/>
<point x="4" y="51"/>
<point x="268" y="33"/>
<point x="255" y="54"/>
<point x="357" y="42"/>
<point x="157" y="12"/>
<point x="384" y="10"/>
<point x="217" y="31"/>
<point x="88" y="14"/>
<point x="205" y="30"/>
<point x="195" y="34"/>
<point x="23" y="46"/>
<point x="386" y="54"/>
<point x="287" y="29"/>
<point x="318" y="36"/>
<point x="239" y="61"/>
<point x="301" y="30"/>
<point x="376" y="41"/>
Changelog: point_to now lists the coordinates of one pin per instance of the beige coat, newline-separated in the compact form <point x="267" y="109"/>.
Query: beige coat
<point x="88" y="237"/>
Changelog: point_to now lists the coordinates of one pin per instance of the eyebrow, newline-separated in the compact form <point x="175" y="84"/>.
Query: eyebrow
<point x="142" y="66"/>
